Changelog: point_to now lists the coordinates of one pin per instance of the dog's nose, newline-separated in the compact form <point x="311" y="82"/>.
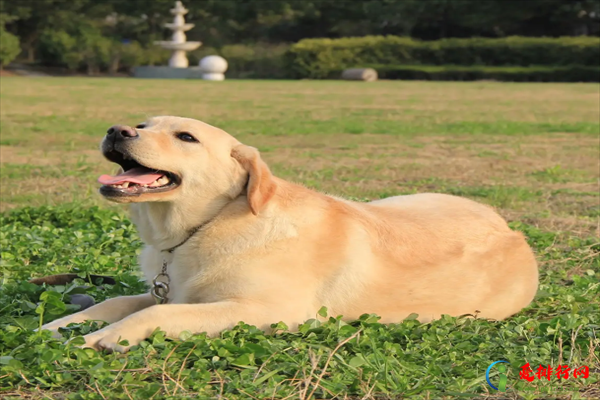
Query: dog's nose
<point x="122" y="131"/>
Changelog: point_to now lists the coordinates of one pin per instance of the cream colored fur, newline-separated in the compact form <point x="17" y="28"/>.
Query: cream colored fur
<point x="276" y="251"/>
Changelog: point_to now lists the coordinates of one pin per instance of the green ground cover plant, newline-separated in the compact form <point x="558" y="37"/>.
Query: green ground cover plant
<point x="530" y="150"/>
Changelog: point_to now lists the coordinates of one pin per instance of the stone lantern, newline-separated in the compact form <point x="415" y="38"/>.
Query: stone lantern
<point x="213" y="68"/>
<point x="178" y="44"/>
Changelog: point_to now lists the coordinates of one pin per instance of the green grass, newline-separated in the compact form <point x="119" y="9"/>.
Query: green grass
<point x="530" y="150"/>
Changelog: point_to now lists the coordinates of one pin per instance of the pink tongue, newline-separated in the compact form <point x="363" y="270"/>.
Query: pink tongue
<point x="141" y="176"/>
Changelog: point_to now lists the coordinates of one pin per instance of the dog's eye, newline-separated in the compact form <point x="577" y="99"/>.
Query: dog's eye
<point x="140" y="126"/>
<point x="186" y="137"/>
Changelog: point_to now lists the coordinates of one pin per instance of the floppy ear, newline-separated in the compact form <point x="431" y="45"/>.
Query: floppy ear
<point x="261" y="186"/>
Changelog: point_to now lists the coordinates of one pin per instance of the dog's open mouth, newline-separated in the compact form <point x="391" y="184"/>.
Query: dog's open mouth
<point x="136" y="179"/>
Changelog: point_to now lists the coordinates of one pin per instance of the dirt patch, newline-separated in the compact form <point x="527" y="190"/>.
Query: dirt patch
<point x="22" y="155"/>
<point x="539" y="179"/>
<point x="4" y="72"/>
<point x="506" y="160"/>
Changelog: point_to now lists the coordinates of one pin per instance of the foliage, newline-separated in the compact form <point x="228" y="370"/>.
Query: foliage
<point x="124" y="55"/>
<point x="62" y="47"/>
<point x="322" y="58"/>
<point x="326" y="357"/>
<point x="509" y="74"/>
<point x="257" y="61"/>
<point x="82" y="45"/>
<point x="9" y="46"/>
<point x="220" y="23"/>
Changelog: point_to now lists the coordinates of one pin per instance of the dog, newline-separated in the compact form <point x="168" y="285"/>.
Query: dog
<point x="226" y="241"/>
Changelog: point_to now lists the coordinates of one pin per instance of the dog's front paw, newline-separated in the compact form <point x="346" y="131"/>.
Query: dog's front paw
<point x="109" y="338"/>
<point x="52" y="327"/>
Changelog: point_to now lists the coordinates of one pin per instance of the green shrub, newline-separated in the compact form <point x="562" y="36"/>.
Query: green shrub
<point x="58" y="48"/>
<point x="9" y="47"/>
<point x="156" y="55"/>
<point x="95" y="50"/>
<point x="90" y="50"/>
<point x="516" y="51"/>
<point x="573" y="73"/>
<point x="259" y="61"/>
<point x="324" y="58"/>
<point x="86" y="48"/>
<point x="125" y="56"/>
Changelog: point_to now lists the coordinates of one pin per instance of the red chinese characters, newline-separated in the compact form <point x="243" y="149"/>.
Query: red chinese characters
<point x="526" y="373"/>
<point x="544" y="372"/>
<point x="561" y="372"/>
<point x="584" y="372"/>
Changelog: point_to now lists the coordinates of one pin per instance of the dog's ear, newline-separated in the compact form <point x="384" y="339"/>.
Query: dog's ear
<point x="261" y="185"/>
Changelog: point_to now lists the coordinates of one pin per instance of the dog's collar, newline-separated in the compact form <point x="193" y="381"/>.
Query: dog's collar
<point x="191" y="233"/>
<point x="160" y="283"/>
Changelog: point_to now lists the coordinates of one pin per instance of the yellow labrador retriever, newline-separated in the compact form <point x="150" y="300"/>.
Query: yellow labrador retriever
<point x="226" y="241"/>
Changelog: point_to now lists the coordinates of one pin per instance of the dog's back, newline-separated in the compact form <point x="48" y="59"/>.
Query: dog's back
<point x="440" y="254"/>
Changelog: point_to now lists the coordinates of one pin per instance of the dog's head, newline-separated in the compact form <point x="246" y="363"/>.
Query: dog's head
<point x="173" y="159"/>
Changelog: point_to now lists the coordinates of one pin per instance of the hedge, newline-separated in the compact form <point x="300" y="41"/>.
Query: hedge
<point x="9" y="47"/>
<point x="256" y="61"/>
<point x="323" y="58"/>
<point x="573" y="73"/>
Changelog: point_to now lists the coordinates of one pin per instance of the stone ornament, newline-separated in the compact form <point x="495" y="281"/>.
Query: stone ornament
<point x="360" y="74"/>
<point x="178" y="44"/>
<point x="213" y="68"/>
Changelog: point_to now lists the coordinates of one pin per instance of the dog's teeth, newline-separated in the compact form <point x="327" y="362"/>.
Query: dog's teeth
<point x="125" y="185"/>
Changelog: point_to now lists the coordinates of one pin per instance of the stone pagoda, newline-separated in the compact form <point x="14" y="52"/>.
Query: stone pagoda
<point x="178" y="44"/>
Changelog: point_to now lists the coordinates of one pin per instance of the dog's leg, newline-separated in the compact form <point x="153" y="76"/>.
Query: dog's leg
<point x="173" y="319"/>
<point x="111" y="310"/>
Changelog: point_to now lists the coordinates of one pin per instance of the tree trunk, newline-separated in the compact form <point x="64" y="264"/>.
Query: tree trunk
<point x="30" y="53"/>
<point x="29" y="44"/>
<point x="114" y="65"/>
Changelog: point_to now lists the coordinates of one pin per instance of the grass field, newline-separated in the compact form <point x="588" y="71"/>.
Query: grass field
<point x="530" y="150"/>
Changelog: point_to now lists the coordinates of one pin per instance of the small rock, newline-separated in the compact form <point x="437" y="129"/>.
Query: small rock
<point x="82" y="300"/>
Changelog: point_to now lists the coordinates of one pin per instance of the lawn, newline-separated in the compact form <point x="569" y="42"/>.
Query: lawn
<point x="530" y="150"/>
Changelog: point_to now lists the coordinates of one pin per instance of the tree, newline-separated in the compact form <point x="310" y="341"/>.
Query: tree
<point x="32" y="17"/>
<point x="9" y="47"/>
<point x="220" y="23"/>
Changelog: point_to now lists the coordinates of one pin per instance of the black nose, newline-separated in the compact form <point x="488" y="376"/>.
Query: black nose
<point x="122" y="131"/>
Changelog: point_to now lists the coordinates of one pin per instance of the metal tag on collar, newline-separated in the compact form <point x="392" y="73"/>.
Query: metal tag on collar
<point x="160" y="286"/>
